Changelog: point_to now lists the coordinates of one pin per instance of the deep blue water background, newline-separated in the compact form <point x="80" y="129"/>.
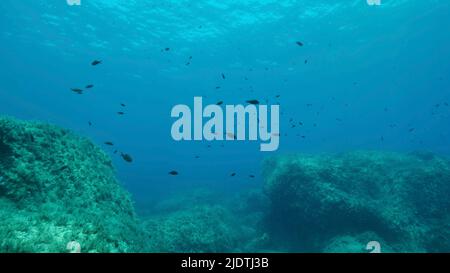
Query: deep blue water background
<point x="372" y="75"/>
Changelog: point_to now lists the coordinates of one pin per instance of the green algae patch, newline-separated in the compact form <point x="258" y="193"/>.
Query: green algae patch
<point x="56" y="187"/>
<point x="199" y="229"/>
<point x="338" y="203"/>
<point x="204" y="221"/>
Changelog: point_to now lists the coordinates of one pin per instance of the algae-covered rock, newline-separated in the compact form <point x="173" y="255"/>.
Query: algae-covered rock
<point x="201" y="220"/>
<point x="195" y="230"/>
<point x="357" y="243"/>
<point x="56" y="187"/>
<point x="401" y="198"/>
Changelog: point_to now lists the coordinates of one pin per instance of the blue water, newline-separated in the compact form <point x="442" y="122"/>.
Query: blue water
<point x="373" y="74"/>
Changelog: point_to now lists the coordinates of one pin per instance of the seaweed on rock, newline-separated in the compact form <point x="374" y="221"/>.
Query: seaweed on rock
<point x="56" y="187"/>
<point x="401" y="198"/>
<point x="198" y="229"/>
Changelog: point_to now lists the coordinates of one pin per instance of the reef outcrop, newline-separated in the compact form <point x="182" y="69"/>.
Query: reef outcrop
<point x="338" y="203"/>
<point x="199" y="229"/>
<point x="56" y="187"/>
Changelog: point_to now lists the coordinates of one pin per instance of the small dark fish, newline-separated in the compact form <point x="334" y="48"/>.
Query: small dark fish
<point x="299" y="43"/>
<point x="306" y="61"/>
<point x="96" y="62"/>
<point x="127" y="157"/>
<point x="121" y="113"/>
<point x="173" y="173"/>
<point x="217" y="87"/>
<point x="123" y="105"/>
<point x="220" y="103"/>
<point x="253" y="102"/>
<point x="412" y="130"/>
<point x="197" y="157"/>
<point x="300" y="123"/>
<point x="233" y="174"/>
<point x="77" y="90"/>
<point x="277" y="96"/>
<point x="89" y="86"/>
<point x="90" y="123"/>
<point x="109" y="143"/>
<point x="445" y="103"/>
<point x="223" y="76"/>
<point x="115" y="151"/>
<point x="231" y="136"/>
<point x="309" y="104"/>
<point x="251" y="176"/>
<point x="167" y="49"/>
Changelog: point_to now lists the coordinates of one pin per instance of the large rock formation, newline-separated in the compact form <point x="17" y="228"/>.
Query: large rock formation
<point x="56" y="187"/>
<point x="338" y="203"/>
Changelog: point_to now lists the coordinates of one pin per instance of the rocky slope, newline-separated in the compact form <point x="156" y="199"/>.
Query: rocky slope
<point x="56" y="187"/>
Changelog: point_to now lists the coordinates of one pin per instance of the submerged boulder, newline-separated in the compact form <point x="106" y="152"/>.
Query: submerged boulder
<point x="325" y="202"/>
<point x="200" y="220"/>
<point x="56" y="187"/>
<point x="198" y="229"/>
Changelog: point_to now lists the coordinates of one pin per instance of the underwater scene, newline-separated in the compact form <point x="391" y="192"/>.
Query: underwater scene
<point x="232" y="126"/>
